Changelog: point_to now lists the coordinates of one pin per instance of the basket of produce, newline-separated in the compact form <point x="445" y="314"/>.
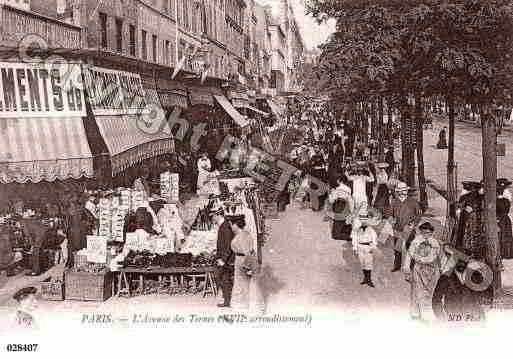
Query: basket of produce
<point x="80" y="259"/>
<point x="90" y="283"/>
<point x="52" y="289"/>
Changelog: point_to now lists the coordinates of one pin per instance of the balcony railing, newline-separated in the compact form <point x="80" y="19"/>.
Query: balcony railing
<point x="15" y="24"/>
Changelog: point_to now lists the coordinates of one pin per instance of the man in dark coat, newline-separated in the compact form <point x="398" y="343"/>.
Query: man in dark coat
<point x="40" y="238"/>
<point x="225" y="256"/>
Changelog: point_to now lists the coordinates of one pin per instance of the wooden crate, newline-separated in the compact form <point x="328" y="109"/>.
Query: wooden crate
<point x="94" y="287"/>
<point x="51" y="290"/>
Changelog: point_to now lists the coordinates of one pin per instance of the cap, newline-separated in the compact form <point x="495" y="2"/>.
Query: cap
<point x="24" y="293"/>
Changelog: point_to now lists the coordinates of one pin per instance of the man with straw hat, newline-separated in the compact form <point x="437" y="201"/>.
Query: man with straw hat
<point x="406" y="214"/>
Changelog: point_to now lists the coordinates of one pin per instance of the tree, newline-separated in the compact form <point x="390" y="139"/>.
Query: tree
<point x="458" y="50"/>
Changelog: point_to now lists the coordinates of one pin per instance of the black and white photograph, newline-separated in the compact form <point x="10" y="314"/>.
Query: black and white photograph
<point x="337" y="166"/>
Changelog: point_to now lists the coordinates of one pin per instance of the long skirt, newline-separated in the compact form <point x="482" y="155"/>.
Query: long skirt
<point x="341" y="231"/>
<point x="241" y="285"/>
<point x="506" y="237"/>
<point x="382" y="200"/>
<point x="423" y="283"/>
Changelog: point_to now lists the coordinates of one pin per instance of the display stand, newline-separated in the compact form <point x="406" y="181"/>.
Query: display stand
<point x="175" y="280"/>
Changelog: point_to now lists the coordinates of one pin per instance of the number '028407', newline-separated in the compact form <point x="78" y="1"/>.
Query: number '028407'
<point x="22" y="347"/>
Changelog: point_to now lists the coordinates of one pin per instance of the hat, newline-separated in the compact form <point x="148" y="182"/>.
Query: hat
<point x="382" y="165"/>
<point x="426" y="226"/>
<point x="401" y="187"/>
<point x="471" y="186"/>
<point x="504" y="182"/>
<point x="24" y="293"/>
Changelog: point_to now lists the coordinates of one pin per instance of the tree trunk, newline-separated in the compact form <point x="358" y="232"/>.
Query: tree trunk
<point x="451" y="185"/>
<point x="408" y="150"/>
<point x="419" y="122"/>
<point x="489" y="133"/>
<point x="390" y="125"/>
<point x="381" y="132"/>
<point x="373" y="120"/>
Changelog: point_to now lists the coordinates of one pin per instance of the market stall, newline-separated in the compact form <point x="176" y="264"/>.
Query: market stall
<point x="45" y="157"/>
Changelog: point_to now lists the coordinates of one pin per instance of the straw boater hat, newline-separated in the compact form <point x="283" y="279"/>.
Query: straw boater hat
<point x="382" y="165"/>
<point x="402" y="187"/>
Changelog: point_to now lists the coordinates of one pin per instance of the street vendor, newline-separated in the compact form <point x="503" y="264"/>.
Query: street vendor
<point x="172" y="225"/>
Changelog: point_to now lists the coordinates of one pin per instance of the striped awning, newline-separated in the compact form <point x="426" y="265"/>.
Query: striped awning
<point x="172" y="93"/>
<point x="43" y="149"/>
<point x="232" y="111"/>
<point x="239" y="99"/>
<point x="256" y="110"/>
<point x="129" y="140"/>
<point x="150" y="90"/>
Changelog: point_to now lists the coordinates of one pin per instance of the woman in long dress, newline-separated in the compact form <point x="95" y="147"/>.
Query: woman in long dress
<point x="422" y="268"/>
<point x="342" y="205"/>
<point x="359" y="180"/>
<point x="382" y="200"/>
<point x="242" y="246"/>
<point x="504" y="222"/>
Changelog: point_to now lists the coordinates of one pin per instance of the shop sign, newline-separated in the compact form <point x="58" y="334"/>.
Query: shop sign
<point x="133" y="242"/>
<point x="114" y="92"/>
<point x="170" y="186"/>
<point x="97" y="249"/>
<point x="40" y="90"/>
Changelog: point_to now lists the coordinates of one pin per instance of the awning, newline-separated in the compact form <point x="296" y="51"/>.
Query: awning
<point x="129" y="143"/>
<point x="256" y="110"/>
<point x="200" y="96"/>
<point x="230" y="110"/>
<point x="239" y="99"/>
<point x="37" y="149"/>
<point x="150" y="90"/>
<point x="172" y="93"/>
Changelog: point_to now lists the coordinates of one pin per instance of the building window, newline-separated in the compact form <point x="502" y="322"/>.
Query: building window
<point x="103" y="29"/>
<point x="132" y="40"/>
<point x="144" y="47"/>
<point x="167" y="59"/>
<point x="119" y="35"/>
<point x="154" y="47"/>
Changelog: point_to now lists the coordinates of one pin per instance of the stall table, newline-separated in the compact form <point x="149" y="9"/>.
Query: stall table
<point x="195" y="273"/>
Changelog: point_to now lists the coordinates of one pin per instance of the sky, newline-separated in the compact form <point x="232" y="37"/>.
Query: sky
<point x="313" y="34"/>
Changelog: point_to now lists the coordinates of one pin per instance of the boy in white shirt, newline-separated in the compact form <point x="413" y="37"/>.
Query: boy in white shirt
<point x="365" y="243"/>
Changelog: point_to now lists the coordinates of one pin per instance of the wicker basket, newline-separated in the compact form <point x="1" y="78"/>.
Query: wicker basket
<point x="79" y="260"/>
<point x="94" y="287"/>
<point x="51" y="290"/>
